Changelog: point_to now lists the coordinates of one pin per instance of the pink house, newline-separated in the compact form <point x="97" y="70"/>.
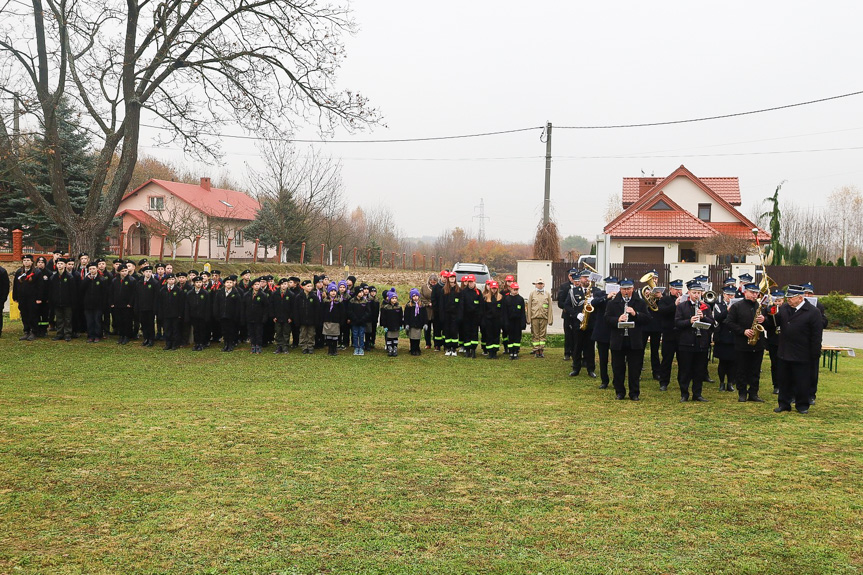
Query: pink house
<point x="182" y="212"/>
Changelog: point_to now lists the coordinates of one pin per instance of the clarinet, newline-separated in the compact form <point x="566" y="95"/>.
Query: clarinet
<point x="626" y="303"/>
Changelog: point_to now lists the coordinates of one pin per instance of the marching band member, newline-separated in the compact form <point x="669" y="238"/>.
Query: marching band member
<point x="627" y="347"/>
<point x="745" y="321"/>
<point x="692" y="320"/>
<point x="799" y="347"/>
<point x="723" y="341"/>
<point x="667" y="305"/>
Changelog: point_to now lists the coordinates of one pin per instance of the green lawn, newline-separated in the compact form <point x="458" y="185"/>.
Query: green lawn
<point x="124" y="460"/>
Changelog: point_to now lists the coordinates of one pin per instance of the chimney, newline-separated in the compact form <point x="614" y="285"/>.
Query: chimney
<point x="645" y="184"/>
<point x="205" y="183"/>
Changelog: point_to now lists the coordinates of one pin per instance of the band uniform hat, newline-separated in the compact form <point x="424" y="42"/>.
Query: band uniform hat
<point x="217" y="272"/>
<point x="193" y="272"/>
<point x="744" y="277"/>
<point x="694" y="285"/>
<point x="41" y="259"/>
<point x="573" y="272"/>
<point x="491" y="285"/>
<point x="58" y="260"/>
<point x="701" y="278"/>
<point x="795" y="290"/>
<point x="729" y="290"/>
<point x="294" y="279"/>
<point x="142" y="261"/>
<point x="627" y="282"/>
<point x="776" y="293"/>
<point x="26" y="257"/>
<point x="513" y="285"/>
<point x="99" y="260"/>
<point x="729" y="281"/>
<point x="808" y="287"/>
<point x="57" y="251"/>
<point x="182" y="275"/>
<point x="198" y="279"/>
<point x="752" y="287"/>
<point x="610" y="280"/>
<point x="584" y="274"/>
<point x="170" y="276"/>
<point x="205" y="273"/>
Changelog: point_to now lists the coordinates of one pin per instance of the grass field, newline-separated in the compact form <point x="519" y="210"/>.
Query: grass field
<point x="124" y="460"/>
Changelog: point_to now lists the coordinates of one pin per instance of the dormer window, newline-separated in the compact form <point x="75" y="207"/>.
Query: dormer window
<point x="704" y="212"/>
<point x="661" y="206"/>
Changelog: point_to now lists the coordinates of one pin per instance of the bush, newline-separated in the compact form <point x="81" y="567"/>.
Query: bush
<point x="854" y="263"/>
<point x="842" y="312"/>
<point x="830" y="264"/>
<point x="840" y="262"/>
<point x="818" y="262"/>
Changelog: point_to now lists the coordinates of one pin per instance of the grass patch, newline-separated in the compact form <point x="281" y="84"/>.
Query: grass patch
<point x="118" y="459"/>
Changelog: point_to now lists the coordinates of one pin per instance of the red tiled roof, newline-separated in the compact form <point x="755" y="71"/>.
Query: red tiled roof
<point x="676" y="223"/>
<point x="216" y="202"/>
<point x="142" y="217"/>
<point x="726" y="188"/>
<point x="739" y="229"/>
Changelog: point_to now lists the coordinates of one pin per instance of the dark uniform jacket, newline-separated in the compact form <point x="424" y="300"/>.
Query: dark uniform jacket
<point x="472" y="299"/>
<point x="280" y="305"/>
<point x="146" y="294"/>
<point x="359" y="313"/>
<point x="24" y="284"/>
<point x="335" y="315"/>
<point x="255" y="306"/>
<point x="690" y="337"/>
<point x="492" y="313"/>
<point x="740" y="317"/>
<point x="451" y="306"/>
<point x="63" y="290"/>
<point x="667" y="305"/>
<point x="94" y="292"/>
<point x="122" y="292"/>
<point x="171" y="304"/>
<point x="801" y="333"/>
<point x="391" y="317"/>
<point x="306" y="309"/>
<point x="4" y="285"/>
<point x="601" y="330"/>
<point x="514" y="313"/>
<point x="198" y="305"/>
<point x="227" y="305"/>
<point x="43" y="285"/>
<point x="413" y="319"/>
<point x="613" y="311"/>
<point x="723" y="334"/>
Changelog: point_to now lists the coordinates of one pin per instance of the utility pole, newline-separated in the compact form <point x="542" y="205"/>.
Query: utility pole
<point x="547" y="204"/>
<point x="482" y="218"/>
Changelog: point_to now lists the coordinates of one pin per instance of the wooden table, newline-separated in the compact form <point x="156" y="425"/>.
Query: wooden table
<point x="830" y="356"/>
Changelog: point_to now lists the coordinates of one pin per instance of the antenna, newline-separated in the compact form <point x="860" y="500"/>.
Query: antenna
<point x="482" y="218"/>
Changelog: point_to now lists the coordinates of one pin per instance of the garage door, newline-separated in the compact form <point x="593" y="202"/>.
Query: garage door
<point x="643" y="255"/>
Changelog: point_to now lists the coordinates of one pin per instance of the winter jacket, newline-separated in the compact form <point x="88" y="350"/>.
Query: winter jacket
<point x="63" y="290"/>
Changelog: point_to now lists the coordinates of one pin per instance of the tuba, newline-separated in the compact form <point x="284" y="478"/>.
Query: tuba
<point x="647" y="291"/>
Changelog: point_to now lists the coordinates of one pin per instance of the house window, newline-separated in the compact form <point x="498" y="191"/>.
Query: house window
<point x="157" y="203"/>
<point x="704" y="212"/>
<point x="238" y="237"/>
<point x="220" y="238"/>
<point x="660" y="206"/>
<point x="688" y="255"/>
<point x="731" y="259"/>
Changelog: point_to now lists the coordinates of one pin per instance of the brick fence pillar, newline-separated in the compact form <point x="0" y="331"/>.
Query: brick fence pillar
<point x="17" y="245"/>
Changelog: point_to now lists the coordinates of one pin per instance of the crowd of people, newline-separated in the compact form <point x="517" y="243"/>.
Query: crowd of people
<point x="736" y="323"/>
<point x="132" y="300"/>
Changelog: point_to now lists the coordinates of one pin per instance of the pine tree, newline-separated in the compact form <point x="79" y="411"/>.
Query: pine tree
<point x="854" y="263"/>
<point x="18" y="211"/>
<point x="840" y="262"/>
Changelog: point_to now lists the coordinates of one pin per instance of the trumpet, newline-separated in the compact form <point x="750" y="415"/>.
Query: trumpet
<point x="647" y="291"/>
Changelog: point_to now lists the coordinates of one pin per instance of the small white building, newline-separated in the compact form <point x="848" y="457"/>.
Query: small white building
<point x="188" y="210"/>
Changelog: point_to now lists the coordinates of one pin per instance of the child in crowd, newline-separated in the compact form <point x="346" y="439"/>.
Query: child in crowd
<point x="358" y="316"/>
<point x="471" y="308"/>
<point x="391" y="320"/>
<point x="306" y="313"/>
<point x="333" y="316"/>
<point x="255" y="307"/>
<point x="280" y="310"/>
<point x="514" y="319"/>
<point x="344" y="296"/>
<point x="451" y="310"/>
<point x="492" y="319"/>
<point x="374" y="313"/>
<point x="415" y="317"/>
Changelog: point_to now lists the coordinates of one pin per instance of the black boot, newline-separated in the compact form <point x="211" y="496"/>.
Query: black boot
<point x="721" y="386"/>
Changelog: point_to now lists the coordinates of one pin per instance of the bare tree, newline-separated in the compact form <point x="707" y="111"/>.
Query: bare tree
<point x="613" y="206"/>
<point x="846" y="205"/>
<point x="178" y="221"/>
<point x="266" y="64"/>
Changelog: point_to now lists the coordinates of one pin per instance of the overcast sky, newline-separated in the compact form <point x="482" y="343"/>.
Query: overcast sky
<point x="452" y="68"/>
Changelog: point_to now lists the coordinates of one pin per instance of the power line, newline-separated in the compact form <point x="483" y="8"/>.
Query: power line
<point x="707" y="118"/>
<point x="766" y="153"/>
<point x="386" y="141"/>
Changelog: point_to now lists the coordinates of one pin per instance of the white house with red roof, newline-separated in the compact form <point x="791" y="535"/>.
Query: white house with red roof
<point x="215" y="214"/>
<point x="664" y="219"/>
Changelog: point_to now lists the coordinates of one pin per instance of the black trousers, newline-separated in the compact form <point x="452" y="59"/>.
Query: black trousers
<point x="256" y="333"/>
<point x="795" y="383"/>
<point x="171" y="330"/>
<point x="94" y="323"/>
<point x="437" y="330"/>
<point x="513" y="335"/>
<point x="105" y="322"/>
<point x="451" y="334"/>
<point x="620" y="360"/>
<point x="269" y="331"/>
<point x="124" y="321"/>
<point x="295" y="335"/>
<point x="691" y="366"/>
<point x="815" y="369"/>
<point x="655" y="362"/>
<point x="28" y="315"/>
<point x="43" y="312"/>
<point x="200" y="331"/>
<point x="602" y="352"/>
<point x="773" y="352"/>
<point x="583" y="355"/>
<point x="727" y="371"/>
<point x="63" y="321"/>
<point x="428" y="333"/>
<point x="148" y="329"/>
<point x="490" y="335"/>
<point x="470" y="332"/>
<point x="669" y="348"/>
<point x="570" y="326"/>
<point x="229" y="331"/>
<point x="749" y="371"/>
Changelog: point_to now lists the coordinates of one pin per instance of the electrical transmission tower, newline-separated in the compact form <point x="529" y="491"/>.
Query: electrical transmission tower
<point x="482" y="218"/>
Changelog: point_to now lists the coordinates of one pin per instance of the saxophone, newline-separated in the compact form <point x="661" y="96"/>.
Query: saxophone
<point x="588" y="308"/>
<point x="757" y="328"/>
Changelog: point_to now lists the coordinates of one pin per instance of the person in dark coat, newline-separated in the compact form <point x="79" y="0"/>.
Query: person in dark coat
<point x="280" y="310"/>
<point x="416" y="318"/>
<point x="436" y="299"/>
<point x="802" y="328"/>
<point x="147" y="292"/>
<point x="626" y="343"/>
<point x="4" y="294"/>
<point x="492" y="319"/>
<point x="601" y="335"/>
<point x="741" y="317"/>
<point x="667" y="305"/>
<point x="296" y="289"/>
<point x="583" y="344"/>
<point x="170" y="308"/>
<point x="564" y="297"/>
<point x="359" y="313"/>
<point x="471" y="314"/>
<point x="374" y="313"/>
<point x="809" y="291"/>
<point x="43" y="298"/>
<point x="255" y="310"/>
<point x="391" y="317"/>
<point x="227" y="307"/>
<point x="198" y="311"/>
<point x="306" y="311"/>
<point x="693" y="343"/>
<point x="451" y="313"/>
<point x="122" y="301"/>
<point x="333" y="316"/>
<point x="63" y="294"/>
<point x="723" y="342"/>
<point x="94" y="298"/>
<point x="515" y="320"/>
<point x="774" y="334"/>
